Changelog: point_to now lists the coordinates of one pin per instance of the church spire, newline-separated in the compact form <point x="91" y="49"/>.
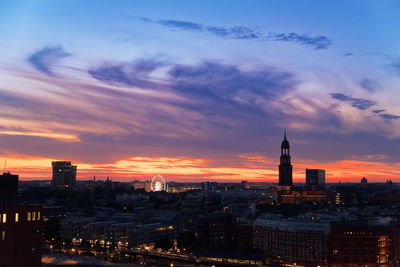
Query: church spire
<point x="285" y="167"/>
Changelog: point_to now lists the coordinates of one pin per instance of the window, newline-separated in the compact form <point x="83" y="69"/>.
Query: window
<point x="33" y="216"/>
<point x="4" y="217"/>
<point x="3" y="235"/>
<point x="38" y="215"/>
<point x="16" y="217"/>
<point x="28" y="216"/>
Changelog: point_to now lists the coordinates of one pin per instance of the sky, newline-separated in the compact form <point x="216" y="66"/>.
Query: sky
<point x="200" y="90"/>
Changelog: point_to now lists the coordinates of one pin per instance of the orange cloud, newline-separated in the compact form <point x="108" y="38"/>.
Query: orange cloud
<point x="58" y="136"/>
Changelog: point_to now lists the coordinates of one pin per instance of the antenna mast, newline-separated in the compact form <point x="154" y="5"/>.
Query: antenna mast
<point x="5" y="164"/>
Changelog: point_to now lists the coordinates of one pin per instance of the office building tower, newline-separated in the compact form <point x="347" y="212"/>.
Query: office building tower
<point x="64" y="174"/>
<point x="315" y="178"/>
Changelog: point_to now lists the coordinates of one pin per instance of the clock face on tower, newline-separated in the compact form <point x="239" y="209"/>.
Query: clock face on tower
<point x="285" y="166"/>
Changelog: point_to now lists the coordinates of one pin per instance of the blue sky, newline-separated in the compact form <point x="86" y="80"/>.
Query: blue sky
<point x="202" y="80"/>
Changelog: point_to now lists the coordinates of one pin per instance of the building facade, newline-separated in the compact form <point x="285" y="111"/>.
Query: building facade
<point x="64" y="174"/>
<point x="364" y="243"/>
<point x="146" y="185"/>
<point x="301" y="241"/>
<point x="294" y="197"/>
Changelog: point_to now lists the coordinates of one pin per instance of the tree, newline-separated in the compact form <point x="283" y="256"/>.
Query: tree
<point x="51" y="229"/>
<point x="187" y="241"/>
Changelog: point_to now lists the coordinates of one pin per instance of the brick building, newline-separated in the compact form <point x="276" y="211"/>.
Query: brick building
<point x="20" y="227"/>
<point x="364" y="243"/>
<point x="301" y="241"/>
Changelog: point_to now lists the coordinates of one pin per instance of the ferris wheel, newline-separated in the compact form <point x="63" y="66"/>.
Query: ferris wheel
<point x="158" y="183"/>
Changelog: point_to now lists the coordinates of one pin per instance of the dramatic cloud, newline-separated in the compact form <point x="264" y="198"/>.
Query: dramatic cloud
<point x="378" y="110"/>
<point x="318" y="42"/>
<point x="43" y="59"/>
<point x="228" y="83"/>
<point x="389" y="116"/>
<point x="134" y="74"/>
<point x="395" y="63"/>
<point x="348" y="54"/>
<point x="184" y="25"/>
<point x="220" y="94"/>
<point x="206" y="111"/>
<point x="397" y="67"/>
<point x="359" y="103"/>
<point x="370" y="85"/>
<point x="241" y="32"/>
<point x="236" y="32"/>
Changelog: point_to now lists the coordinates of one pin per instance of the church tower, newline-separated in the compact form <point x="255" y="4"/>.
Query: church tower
<point x="285" y="168"/>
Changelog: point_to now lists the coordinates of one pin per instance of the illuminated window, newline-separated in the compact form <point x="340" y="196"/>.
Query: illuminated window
<point x="38" y="215"/>
<point x="33" y="216"/>
<point x="16" y="217"/>
<point x="4" y="217"/>
<point x="28" y="216"/>
<point x="3" y="235"/>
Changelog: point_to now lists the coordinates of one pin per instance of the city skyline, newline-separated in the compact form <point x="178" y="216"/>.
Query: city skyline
<point x="132" y="91"/>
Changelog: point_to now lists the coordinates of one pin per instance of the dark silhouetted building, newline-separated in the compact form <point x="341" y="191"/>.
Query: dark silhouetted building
<point x="285" y="167"/>
<point x="245" y="185"/>
<point x="364" y="182"/>
<point x="20" y="227"/>
<point x="64" y="174"/>
<point x="315" y="178"/>
<point x="216" y="231"/>
<point x="8" y="189"/>
<point x="243" y="236"/>
<point x="209" y="186"/>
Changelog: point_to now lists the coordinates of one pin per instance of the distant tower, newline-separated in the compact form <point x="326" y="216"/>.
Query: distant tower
<point x="364" y="182"/>
<point x="285" y="168"/>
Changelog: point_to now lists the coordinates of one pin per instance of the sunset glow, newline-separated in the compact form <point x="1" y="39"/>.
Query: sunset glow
<point x="196" y="169"/>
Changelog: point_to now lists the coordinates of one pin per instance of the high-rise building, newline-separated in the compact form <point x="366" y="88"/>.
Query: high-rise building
<point x="64" y="174"/>
<point x="8" y="189"/>
<point x="285" y="167"/>
<point x="315" y="178"/>
<point x="20" y="227"/>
